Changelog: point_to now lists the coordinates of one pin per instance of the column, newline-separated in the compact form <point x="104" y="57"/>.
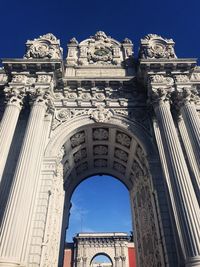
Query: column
<point x="186" y="100"/>
<point x="14" y="230"/>
<point x="8" y="124"/>
<point x="184" y="202"/>
<point x="190" y="155"/>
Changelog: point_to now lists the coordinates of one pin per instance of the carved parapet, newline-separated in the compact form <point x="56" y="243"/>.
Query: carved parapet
<point x="154" y="46"/>
<point x="99" y="49"/>
<point x="45" y="47"/>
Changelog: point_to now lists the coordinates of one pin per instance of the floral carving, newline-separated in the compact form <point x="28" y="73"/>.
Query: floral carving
<point x="81" y="168"/>
<point x="14" y="95"/>
<point x="19" y="78"/>
<point x="100" y="114"/>
<point x="77" y="139"/>
<point x="123" y="139"/>
<point x="63" y="114"/>
<point x="182" y="78"/>
<point x="86" y="96"/>
<point x="99" y="96"/>
<point x="100" y="150"/>
<point x="160" y="95"/>
<point x="120" y="154"/>
<point x="161" y="79"/>
<point x="44" y="78"/>
<point x="81" y="154"/>
<point x="149" y="253"/>
<point x="100" y="163"/>
<point x="119" y="167"/>
<point x="71" y="95"/>
<point x="100" y="134"/>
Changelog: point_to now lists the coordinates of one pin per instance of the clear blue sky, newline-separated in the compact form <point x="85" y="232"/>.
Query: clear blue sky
<point x="100" y="204"/>
<point x="22" y="20"/>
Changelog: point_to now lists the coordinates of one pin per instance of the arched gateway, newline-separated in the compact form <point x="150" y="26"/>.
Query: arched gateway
<point x="100" y="112"/>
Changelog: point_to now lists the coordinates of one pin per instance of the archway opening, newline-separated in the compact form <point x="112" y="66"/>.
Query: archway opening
<point x="100" y="203"/>
<point x="103" y="149"/>
<point x="101" y="260"/>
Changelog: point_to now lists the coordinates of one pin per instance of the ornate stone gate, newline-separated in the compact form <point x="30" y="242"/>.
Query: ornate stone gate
<point x="100" y="111"/>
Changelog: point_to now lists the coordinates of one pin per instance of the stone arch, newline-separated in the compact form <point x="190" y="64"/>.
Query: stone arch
<point x="99" y="254"/>
<point x="126" y="152"/>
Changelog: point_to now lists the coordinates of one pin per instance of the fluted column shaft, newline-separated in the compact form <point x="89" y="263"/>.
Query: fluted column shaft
<point x="16" y="219"/>
<point x="7" y="129"/>
<point x="192" y="122"/>
<point x="186" y="208"/>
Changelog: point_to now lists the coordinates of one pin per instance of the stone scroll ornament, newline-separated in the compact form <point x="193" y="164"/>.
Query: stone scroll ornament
<point x="156" y="47"/>
<point x="46" y="46"/>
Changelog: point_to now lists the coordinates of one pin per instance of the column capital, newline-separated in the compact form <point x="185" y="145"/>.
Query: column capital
<point x="185" y="96"/>
<point x="41" y="97"/>
<point x="159" y="96"/>
<point x="14" y="96"/>
<point x="123" y="258"/>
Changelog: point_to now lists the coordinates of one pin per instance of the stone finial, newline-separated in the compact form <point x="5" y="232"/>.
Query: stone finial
<point x="156" y="47"/>
<point x="46" y="46"/>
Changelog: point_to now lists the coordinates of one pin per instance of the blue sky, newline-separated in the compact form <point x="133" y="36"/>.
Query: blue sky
<point x="100" y="204"/>
<point x="22" y="20"/>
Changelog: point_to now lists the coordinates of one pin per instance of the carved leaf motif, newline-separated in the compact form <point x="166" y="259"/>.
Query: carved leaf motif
<point x="120" y="154"/>
<point x="101" y="114"/>
<point x="100" y="163"/>
<point x="63" y="114"/>
<point x="81" y="154"/>
<point x="119" y="167"/>
<point x="81" y="168"/>
<point x="100" y="134"/>
<point x="123" y="139"/>
<point x="77" y="139"/>
<point x="100" y="150"/>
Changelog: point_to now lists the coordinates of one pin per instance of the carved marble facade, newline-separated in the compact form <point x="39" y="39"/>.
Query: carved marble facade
<point x="112" y="245"/>
<point x="101" y="110"/>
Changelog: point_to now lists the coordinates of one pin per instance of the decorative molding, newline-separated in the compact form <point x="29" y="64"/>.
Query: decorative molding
<point x="46" y="46"/>
<point x="155" y="46"/>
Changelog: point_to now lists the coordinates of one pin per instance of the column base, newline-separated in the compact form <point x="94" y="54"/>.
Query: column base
<point x="191" y="262"/>
<point x="10" y="263"/>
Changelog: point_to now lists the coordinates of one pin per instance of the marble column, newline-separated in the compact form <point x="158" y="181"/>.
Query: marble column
<point x="14" y="232"/>
<point x="117" y="258"/>
<point x="186" y="100"/>
<point x="181" y="191"/>
<point x="8" y="124"/>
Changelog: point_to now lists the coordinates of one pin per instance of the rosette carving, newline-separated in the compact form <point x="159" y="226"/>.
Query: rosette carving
<point x="46" y="46"/>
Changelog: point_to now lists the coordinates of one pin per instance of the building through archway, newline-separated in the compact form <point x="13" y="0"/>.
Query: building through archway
<point x="117" y="249"/>
<point x="100" y="111"/>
